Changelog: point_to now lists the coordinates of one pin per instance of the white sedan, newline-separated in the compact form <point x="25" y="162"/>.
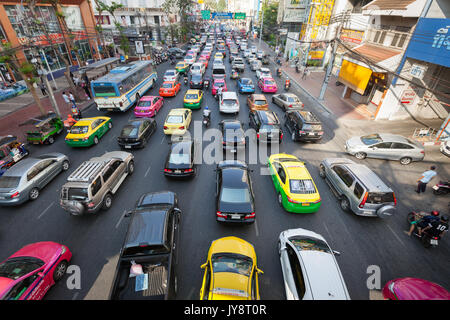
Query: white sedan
<point x="310" y="270"/>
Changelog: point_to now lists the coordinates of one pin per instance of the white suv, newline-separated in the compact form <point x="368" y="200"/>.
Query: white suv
<point x="229" y="102"/>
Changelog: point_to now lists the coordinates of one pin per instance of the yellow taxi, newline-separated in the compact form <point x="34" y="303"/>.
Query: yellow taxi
<point x="218" y="55"/>
<point x="193" y="99"/>
<point x="88" y="131"/>
<point x="231" y="272"/>
<point x="177" y="121"/>
<point x="296" y="190"/>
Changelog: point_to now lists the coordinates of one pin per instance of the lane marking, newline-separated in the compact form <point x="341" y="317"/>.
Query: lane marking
<point x="75" y="295"/>
<point x="146" y="172"/>
<point x="256" y="228"/>
<point x="395" y="234"/>
<point x="121" y="218"/>
<point x="43" y="212"/>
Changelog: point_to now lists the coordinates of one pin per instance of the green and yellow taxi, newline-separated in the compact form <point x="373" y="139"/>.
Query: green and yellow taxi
<point x="296" y="190"/>
<point x="231" y="272"/>
<point x="88" y="131"/>
<point x="182" y="67"/>
<point x="193" y="99"/>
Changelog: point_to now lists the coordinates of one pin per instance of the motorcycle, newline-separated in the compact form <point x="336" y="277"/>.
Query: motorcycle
<point x="206" y="84"/>
<point x="279" y="73"/>
<point x="427" y="239"/>
<point x="206" y="120"/>
<point x="287" y="85"/>
<point x="185" y="80"/>
<point x="443" y="187"/>
<point x="76" y="113"/>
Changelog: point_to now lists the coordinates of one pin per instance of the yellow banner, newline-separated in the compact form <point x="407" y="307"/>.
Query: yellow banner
<point x="354" y="76"/>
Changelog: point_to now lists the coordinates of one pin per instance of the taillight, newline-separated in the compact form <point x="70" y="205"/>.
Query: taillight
<point x="165" y="128"/>
<point x="395" y="199"/>
<point x="281" y="135"/>
<point x="257" y="135"/>
<point x="120" y="103"/>
<point x="422" y="152"/>
<point x="181" y="128"/>
<point x="167" y="170"/>
<point x="250" y="216"/>
<point x="15" y="194"/>
<point x="90" y="204"/>
<point x="290" y="106"/>
<point x="301" y="132"/>
<point x="188" y="170"/>
<point x="219" y="214"/>
<point x="291" y="200"/>
<point x="363" y="202"/>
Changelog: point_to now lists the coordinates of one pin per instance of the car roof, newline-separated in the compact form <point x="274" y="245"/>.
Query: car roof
<point x="177" y="111"/>
<point x="181" y="145"/>
<point x="193" y="91"/>
<point x="368" y="177"/>
<point x="389" y="137"/>
<point x="259" y="96"/>
<point x="229" y="95"/>
<point x="234" y="177"/>
<point x="21" y="167"/>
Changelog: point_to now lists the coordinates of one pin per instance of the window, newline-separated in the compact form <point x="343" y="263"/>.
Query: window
<point x="344" y="175"/>
<point x="397" y="145"/>
<point x="108" y="173"/>
<point x="358" y="192"/>
<point x="16" y="268"/>
<point x="383" y="145"/>
<point x="44" y="164"/>
<point x="383" y="36"/>
<point x="402" y="41"/>
<point x="207" y="283"/>
<point x="9" y="182"/>
<point x="297" y="273"/>
<point x="254" y="285"/>
<point x="282" y="174"/>
<point x="33" y="172"/>
<point x="96" y="186"/>
<point x="395" y="39"/>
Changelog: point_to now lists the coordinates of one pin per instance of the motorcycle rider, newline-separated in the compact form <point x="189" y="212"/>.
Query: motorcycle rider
<point x="219" y="93"/>
<point x="287" y="84"/>
<point x="279" y="72"/>
<point x="185" y="78"/>
<point x="423" y="223"/>
<point x="207" y="114"/>
<point x="437" y="228"/>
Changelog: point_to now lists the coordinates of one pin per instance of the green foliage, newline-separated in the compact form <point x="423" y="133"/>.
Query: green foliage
<point x="27" y="68"/>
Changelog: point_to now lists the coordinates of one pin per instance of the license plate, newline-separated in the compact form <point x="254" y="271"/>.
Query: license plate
<point x="311" y="133"/>
<point x="110" y="109"/>
<point x="305" y="204"/>
<point x="233" y="150"/>
<point x="435" y="187"/>
<point x="75" y="140"/>
<point x="235" y="216"/>
<point x="177" y="171"/>
<point x="127" y="147"/>
<point x="434" y="242"/>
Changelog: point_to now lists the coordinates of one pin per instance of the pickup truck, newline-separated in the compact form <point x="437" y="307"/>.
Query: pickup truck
<point x="238" y="64"/>
<point x="150" y="245"/>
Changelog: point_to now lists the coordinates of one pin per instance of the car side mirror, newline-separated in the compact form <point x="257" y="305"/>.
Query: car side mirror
<point x="41" y="274"/>
<point x="337" y="253"/>
<point x="203" y="266"/>
<point x="128" y="214"/>
<point x="259" y="271"/>
<point x="177" y="210"/>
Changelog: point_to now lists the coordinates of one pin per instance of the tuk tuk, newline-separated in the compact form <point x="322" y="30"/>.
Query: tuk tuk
<point x="265" y="59"/>
<point x="11" y="152"/>
<point x="45" y="129"/>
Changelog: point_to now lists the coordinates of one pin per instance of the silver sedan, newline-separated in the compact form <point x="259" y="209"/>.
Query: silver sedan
<point x="385" y="146"/>
<point x="287" y="101"/>
<point x="27" y="178"/>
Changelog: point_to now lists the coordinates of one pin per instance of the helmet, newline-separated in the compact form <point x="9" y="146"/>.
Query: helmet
<point x="435" y="213"/>
<point x="206" y="108"/>
<point x="444" y="218"/>
<point x="287" y="78"/>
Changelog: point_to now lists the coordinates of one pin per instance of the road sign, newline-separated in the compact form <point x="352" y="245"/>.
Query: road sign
<point x="239" y="15"/>
<point x="206" y="14"/>
<point x="222" y="15"/>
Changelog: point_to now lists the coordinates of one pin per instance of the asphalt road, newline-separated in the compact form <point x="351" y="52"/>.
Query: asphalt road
<point x="95" y="240"/>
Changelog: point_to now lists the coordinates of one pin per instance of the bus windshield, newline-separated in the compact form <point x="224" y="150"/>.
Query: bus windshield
<point x="104" y="91"/>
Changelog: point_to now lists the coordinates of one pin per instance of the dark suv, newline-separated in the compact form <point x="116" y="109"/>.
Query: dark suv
<point x="303" y="125"/>
<point x="267" y="126"/>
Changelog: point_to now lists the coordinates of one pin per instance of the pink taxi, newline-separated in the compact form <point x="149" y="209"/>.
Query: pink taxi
<point x="414" y="289"/>
<point x="30" y="272"/>
<point x="148" y="106"/>
<point x="218" y="82"/>
<point x="267" y="85"/>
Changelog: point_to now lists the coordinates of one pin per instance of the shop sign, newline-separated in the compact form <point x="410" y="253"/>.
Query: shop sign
<point x="352" y="36"/>
<point x="418" y="71"/>
<point x="408" y="97"/>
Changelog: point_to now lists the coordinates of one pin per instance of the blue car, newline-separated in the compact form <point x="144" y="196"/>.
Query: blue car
<point x="245" y="85"/>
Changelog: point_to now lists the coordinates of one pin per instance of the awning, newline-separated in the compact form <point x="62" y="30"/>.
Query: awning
<point x="354" y="76"/>
<point x="99" y="64"/>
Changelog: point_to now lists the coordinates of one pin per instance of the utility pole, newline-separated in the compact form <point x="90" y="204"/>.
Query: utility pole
<point x="261" y="28"/>
<point x="326" y="80"/>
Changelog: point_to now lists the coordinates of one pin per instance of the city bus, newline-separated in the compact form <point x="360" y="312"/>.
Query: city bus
<point x="123" y="86"/>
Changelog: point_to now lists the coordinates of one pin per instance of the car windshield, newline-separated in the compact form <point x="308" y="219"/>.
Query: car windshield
<point x="219" y="84"/>
<point x="166" y="85"/>
<point x="174" y="119"/>
<point x="380" y="197"/>
<point x="302" y="186"/>
<point x="145" y="104"/>
<point x="79" y="129"/>
<point x="179" y="158"/>
<point x="304" y="243"/>
<point x="313" y="127"/>
<point x="232" y="262"/>
<point x="145" y="250"/>
<point x="260" y="102"/>
<point x="181" y="65"/>
<point x="189" y="57"/>
<point x="191" y="96"/>
<point x="293" y="99"/>
<point x="78" y="194"/>
<point x="235" y="195"/>
<point x="9" y="182"/>
<point x="170" y="73"/>
<point x="16" y="268"/>
<point x="229" y="102"/>
<point x="269" y="82"/>
<point x="129" y="131"/>
<point x="246" y="81"/>
<point x="196" y="77"/>
<point x="104" y="91"/>
<point x="371" y="139"/>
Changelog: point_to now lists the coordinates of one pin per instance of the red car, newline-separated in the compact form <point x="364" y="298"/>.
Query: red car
<point x="30" y="272"/>
<point x="218" y="82"/>
<point x="169" y="89"/>
<point x="206" y="55"/>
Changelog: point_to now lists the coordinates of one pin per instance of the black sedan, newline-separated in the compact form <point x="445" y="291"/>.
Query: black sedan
<point x="136" y="133"/>
<point x="180" y="160"/>
<point x="233" y="137"/>
<point x="177" y="52"/>
<point x="235" y="201"/>
<point x="196" y="81"/>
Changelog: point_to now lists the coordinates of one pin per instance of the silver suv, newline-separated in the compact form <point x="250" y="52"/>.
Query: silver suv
<point x="358" y="188"/>
<point x="92" y="185"/>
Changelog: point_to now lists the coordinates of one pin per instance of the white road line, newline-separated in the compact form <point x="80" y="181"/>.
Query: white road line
<point x="163" y="138"/>
<point x="399" y="240"/>
<point x="190" y="293"/>
<point x="43" y="212"/>
<point x="328" y="231"/>
<point x="75" y="295"/>
<point x="256" y="228"/>
<point x="121" y="217"/>
<point x="146" y="172"/>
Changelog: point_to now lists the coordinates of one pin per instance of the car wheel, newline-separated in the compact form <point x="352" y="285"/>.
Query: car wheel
<point x="405" y="160"/>
<point x="110" y="125"/>
<point x="51" y="140"/>
<point x="60" y="270"/>
<point x="95" y="140"/>
<point x="293" y="136"/>
<point x="131" y="167"/>
<point x="345" y="204"/>
<point x="280" y="199"/>
<point x="34" y="194"/>
<point x="360" y="155"/>
<point x="137" y="98"/>
<point x="322" y="171"/>
<point x="107" y="202"/>
<point x="65" y="165"/>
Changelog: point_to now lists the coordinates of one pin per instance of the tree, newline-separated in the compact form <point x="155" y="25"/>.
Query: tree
<point x="26" y="70"/>
<point x="100" y="6"/>
<point x="184" y="9"/>
<point x="111" y="9"/>
<point x="270" y="11"/>
<point x="221" y="5"/>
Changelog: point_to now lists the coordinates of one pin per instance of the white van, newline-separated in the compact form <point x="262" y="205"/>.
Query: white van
<point x="229" y="102"/>
<point x="197" y="67"/>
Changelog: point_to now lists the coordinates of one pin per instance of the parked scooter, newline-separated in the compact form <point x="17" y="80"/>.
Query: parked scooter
<point x="443" y="187"/>
<point x="426" y="239"/>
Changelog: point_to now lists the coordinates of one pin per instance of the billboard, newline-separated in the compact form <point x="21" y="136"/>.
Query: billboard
<point x="435" y="46"/>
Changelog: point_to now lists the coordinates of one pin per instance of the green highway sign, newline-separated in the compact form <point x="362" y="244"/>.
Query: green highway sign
<point x="206" y="14"/>
<point x="239" y="15"/>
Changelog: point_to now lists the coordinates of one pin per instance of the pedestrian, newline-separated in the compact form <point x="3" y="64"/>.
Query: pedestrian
<point x="305" y="73"/>
<point x="43" y="89"/>
<point x="84" y="85"/>
<point x="66" y="99"/>
<point x="72" y="99"/>
<point x="425" y="178"/>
